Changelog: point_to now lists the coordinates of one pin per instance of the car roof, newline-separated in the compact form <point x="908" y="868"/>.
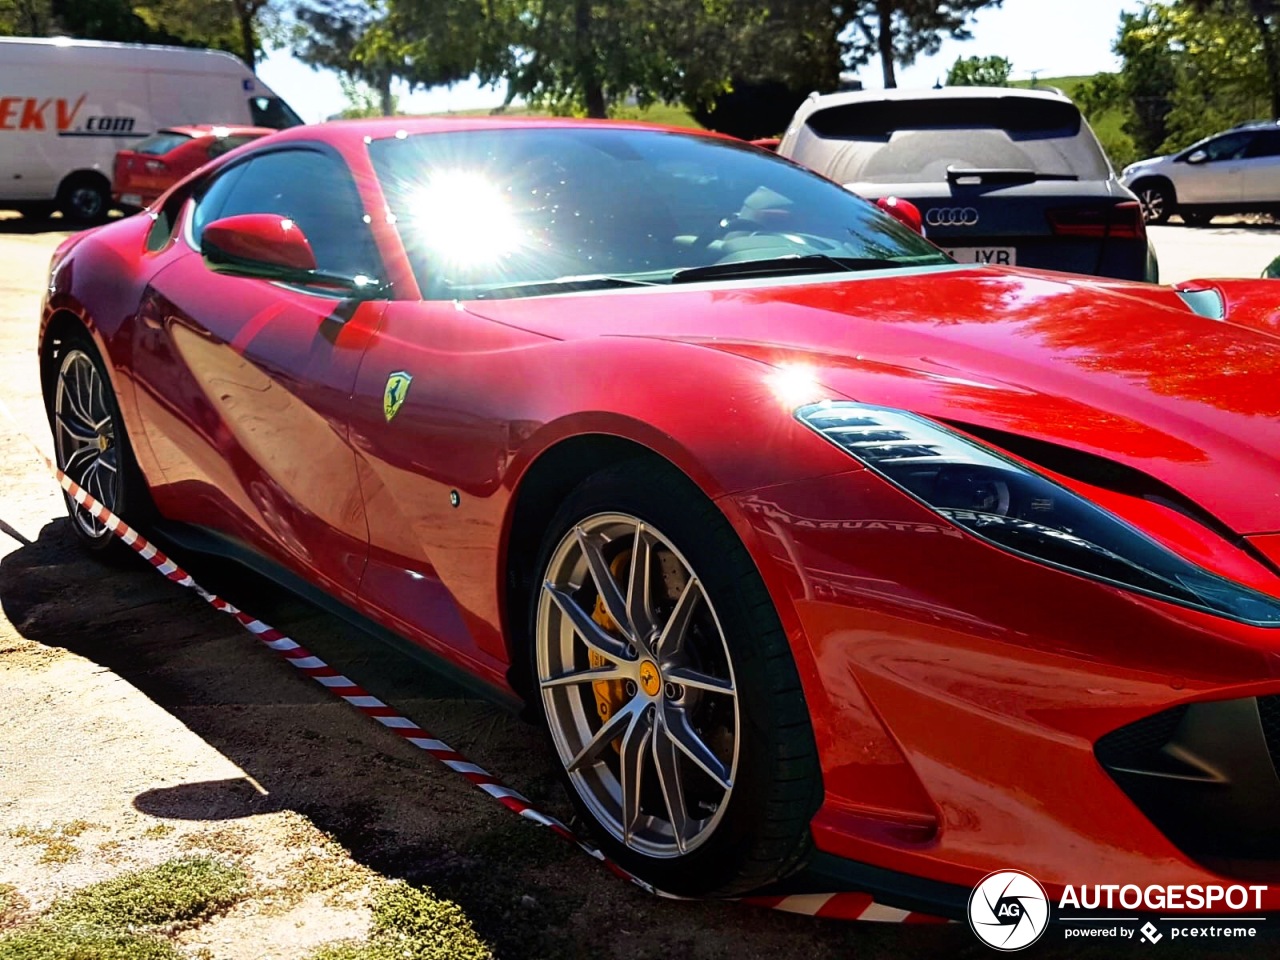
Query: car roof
<point x="381" y="128"/>
<point x="217" y="130"/>
<point x="824" y="100"/>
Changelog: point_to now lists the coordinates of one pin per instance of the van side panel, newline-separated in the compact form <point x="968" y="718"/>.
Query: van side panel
<point x="68" y="106"/>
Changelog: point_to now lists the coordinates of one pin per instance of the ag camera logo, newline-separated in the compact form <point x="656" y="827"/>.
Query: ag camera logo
<point x="1008" y="910"/>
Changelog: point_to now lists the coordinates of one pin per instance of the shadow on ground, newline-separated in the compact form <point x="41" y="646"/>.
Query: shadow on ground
<point x="394" y="809"/>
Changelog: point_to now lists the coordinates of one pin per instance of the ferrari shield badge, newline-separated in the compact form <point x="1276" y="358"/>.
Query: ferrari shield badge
<point x="393" y="396"/>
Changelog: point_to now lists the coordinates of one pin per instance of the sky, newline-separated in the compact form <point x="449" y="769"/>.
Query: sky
<point x="1045" y="37"/>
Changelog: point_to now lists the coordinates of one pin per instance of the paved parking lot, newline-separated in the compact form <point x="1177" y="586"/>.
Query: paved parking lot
<point x="157" y="727"/>
<point x="1233" y="249"/>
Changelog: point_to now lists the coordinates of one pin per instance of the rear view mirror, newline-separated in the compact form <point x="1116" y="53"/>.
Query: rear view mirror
<point x="1197" y="156"/>
<point x="257" y="245"/>
<point x="904" y="211"/>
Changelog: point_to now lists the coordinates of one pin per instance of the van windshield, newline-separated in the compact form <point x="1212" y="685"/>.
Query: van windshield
<point x="273" y="112"/>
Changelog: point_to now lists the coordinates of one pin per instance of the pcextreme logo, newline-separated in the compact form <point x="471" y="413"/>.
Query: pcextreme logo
<point x="1008" y="910"/>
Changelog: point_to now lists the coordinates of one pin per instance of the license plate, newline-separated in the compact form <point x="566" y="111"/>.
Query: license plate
<point x="132" y="199"/>
<point x="993" y="256"/>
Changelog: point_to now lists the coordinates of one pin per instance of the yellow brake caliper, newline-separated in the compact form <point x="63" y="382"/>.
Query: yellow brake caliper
<point x="609" y="694"/>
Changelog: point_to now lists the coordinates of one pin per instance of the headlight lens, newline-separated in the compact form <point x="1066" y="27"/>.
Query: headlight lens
<point x="1013" y="507"/>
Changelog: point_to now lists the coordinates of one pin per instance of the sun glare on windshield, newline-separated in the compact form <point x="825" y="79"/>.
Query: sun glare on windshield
<point x="464" y="218"/>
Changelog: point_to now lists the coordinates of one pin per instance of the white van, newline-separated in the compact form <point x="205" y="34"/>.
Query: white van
<point x="67" y="106"/>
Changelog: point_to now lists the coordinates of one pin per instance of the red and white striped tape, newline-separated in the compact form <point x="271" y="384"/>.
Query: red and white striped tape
<point x="841" y="906"/>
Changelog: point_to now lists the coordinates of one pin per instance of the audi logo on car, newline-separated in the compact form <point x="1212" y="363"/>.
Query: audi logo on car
<point x="952" y="217"/>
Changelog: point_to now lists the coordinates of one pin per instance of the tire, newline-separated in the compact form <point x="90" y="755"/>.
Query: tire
<point x="1156" y="200"/>
<point x="91" y="446"/>
<point x="750" y="827"/>
<point x="85" y="199"/>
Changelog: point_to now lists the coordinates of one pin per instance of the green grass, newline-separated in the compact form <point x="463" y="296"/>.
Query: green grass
<point x="182" y="891"/>
<point x="83" y="943"/>
<point x="412" y="923"/>
<point x="119" y="919"/>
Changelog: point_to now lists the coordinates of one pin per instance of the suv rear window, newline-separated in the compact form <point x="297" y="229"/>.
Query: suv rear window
<point x="158" y="144"/>
<point x="915" y="141"/>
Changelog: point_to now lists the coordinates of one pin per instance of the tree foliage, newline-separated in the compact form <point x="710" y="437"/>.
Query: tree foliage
<point x="899" y="31"/>
<point x="234" y="25"/>
<point x="979" y="72"/>
<point x="1190" y="69"/>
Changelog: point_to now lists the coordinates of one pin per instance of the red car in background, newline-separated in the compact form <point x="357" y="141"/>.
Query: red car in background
<point x="152" y="166"/>
<point x="809" y="546"/>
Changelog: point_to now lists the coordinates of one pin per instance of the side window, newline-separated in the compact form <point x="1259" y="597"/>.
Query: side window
<point x="1265" y="144"/>
<point x="1229" y="147"/>
<point x="314" y="190"/>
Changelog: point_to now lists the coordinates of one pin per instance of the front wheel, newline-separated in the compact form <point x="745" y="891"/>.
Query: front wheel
<point x="91" y="446"/>
<point x="668" y="687"/>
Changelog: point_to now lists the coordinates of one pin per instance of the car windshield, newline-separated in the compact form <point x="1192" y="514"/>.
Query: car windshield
<point x="917" y="141"/>
<point x="523" y="212"/>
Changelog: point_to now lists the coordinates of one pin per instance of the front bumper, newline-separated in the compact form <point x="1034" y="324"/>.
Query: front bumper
<point x="958" y="694"/>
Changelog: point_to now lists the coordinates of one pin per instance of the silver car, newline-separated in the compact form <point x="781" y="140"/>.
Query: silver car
<point x="1233" y="172"/>
<point x="1002" y="176"/>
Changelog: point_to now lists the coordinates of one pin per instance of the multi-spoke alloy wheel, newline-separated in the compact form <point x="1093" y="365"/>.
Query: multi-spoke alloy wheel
<point x="1155" y="202"/>
<point x="668" y="686"/>
<point x="85" y="436"/>
<point x="637" y="685"/>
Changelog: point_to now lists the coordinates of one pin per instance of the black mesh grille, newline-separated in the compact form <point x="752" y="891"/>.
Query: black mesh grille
<point x="1136" y="745"/>
<point x="1269" y="714"/>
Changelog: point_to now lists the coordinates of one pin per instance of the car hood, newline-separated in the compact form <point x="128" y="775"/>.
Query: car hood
<point x="1122" y="371"/>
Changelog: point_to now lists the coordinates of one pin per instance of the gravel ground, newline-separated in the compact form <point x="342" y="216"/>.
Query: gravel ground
<point x="140" y="725"/>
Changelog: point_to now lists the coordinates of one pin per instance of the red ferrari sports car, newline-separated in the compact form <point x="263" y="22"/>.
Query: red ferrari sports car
<point x="810" y="547"/>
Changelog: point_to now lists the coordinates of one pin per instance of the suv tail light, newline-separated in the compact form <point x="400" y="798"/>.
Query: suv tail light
<point x="1122" y="221"/>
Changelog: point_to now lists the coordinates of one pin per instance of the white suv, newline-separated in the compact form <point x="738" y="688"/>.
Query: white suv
<point x="1233" y="172"/>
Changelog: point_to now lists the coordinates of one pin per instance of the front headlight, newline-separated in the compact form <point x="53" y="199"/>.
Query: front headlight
<point x="1013" y="507"/>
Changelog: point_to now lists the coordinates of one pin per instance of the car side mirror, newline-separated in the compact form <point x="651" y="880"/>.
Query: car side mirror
<point x="257" y="245"/>
<point x="1197" y="156"/>
<point x="271" y="247"/>
<point x="904" y="211"/>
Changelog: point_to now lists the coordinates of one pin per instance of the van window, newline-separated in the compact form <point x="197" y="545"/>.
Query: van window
<point x="273" y="112"/>
<point x="158" y="144"/>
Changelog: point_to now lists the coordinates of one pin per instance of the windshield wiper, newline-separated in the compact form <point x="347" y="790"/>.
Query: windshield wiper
<point x="590" y="281"/>
<point x="794" y="264"/>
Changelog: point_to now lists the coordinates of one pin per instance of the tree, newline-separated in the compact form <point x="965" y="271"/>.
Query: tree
<point x="232" y="25"/>
<point x="979" y="72"/>
<point x="330" y="34"/>
<point x="899" y="31"/>
<point x="569" y="55"/>
<point x="1189" y="69"/>
<point x="1265" y="17"/>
